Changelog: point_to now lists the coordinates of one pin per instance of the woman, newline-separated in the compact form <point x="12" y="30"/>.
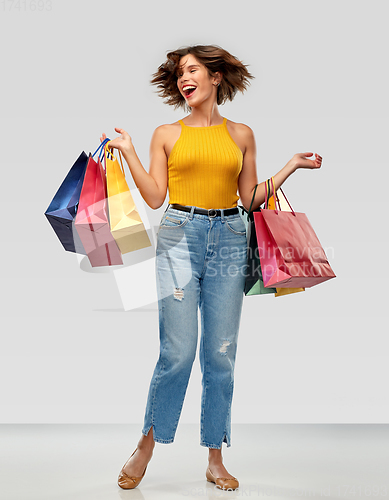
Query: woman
<point x="201" y="251"/>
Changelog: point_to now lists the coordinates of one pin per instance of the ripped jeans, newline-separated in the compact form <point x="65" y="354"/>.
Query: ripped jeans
<point x="200" y="263"/>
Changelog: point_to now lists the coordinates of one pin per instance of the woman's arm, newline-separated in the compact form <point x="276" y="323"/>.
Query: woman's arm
<point x="248" y="176"/>
<point x="153" y="184"/>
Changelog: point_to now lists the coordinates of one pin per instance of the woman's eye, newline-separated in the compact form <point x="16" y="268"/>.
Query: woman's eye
<point x="180" y="75"/>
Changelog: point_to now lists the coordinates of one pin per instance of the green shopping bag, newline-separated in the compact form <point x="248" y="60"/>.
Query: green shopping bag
<point x="254" y="282"/>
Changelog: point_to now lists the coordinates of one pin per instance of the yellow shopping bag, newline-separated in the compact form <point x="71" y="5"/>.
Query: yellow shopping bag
<point x="126" y="225"/>
<point x="283" y="204"/>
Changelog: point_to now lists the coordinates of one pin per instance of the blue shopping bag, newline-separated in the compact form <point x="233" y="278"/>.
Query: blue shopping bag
<point x="62" y="210"/>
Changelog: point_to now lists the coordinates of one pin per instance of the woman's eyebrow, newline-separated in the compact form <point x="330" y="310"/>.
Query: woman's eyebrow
<point x="191" y="66"/>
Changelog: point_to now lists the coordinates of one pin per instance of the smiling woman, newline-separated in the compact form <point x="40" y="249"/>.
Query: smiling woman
<point x="235" y="74"/>
<point x="201" y="256"/>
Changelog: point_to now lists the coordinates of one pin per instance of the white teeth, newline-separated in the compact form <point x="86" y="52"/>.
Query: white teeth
<point x="187" y="87"/>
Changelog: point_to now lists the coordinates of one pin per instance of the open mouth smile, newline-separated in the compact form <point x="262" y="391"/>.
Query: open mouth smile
<point x="189" y="90"/>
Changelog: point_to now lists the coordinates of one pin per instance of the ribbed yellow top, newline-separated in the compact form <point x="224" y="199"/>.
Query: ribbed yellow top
<point x="204" y="167"/>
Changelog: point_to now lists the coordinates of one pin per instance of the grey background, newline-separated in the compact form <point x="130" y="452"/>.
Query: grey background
<point x="70" y="352"/>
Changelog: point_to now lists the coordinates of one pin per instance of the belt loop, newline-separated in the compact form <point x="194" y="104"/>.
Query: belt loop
<point x="222" y="214"/>
<point x="191" y="213"/>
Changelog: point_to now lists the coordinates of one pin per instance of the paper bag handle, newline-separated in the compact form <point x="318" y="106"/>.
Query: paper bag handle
<point x="120" y="156"/>
<point x="101" y="145"/>
<point x="252" y="200"/>
<point x="276" y="198"/>
<point x="274" y="194"/>
<point x="267" y="194"/>
<point x="290" y="206"/>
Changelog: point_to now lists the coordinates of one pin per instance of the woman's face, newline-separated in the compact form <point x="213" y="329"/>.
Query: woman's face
<point x="194" y="82"/>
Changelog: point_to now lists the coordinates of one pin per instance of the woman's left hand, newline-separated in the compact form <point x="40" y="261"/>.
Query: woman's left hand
<point x="303" y="162"/>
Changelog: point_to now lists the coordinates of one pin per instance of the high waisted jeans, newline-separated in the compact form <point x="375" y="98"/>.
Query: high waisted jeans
<point x="200" y="262"/>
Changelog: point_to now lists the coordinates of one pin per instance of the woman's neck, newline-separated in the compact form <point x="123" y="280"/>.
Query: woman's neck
<point x="204" y="116"/>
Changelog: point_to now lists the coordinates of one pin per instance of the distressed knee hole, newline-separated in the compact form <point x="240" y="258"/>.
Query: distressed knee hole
<point x="178" y="293"/>
<point x="223" y="348"/>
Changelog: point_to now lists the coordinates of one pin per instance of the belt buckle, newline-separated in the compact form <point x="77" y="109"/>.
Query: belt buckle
<point x="212" y="212"/>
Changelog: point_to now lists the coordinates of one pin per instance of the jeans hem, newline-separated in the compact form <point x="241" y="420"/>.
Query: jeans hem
<point x="163" y="441"/>
<point x="156" y="439"/>
<point x="218" y="447"/>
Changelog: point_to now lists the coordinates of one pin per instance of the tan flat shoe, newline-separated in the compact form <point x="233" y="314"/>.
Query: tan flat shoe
<point x="129" y="482"/>
<point x="221" y="482"/>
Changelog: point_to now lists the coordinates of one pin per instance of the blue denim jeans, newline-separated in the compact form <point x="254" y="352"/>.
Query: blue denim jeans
<point x="200" y="263"/>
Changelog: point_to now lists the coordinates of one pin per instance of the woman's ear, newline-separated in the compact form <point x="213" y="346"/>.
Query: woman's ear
<point x="217" y="78"/>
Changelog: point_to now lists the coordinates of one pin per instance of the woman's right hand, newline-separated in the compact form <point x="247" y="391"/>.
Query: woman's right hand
<point x="122" y="143"/>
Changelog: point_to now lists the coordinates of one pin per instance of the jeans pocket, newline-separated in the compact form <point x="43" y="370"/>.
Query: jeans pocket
<point x="171" y="221"/>
<point x="236" y="225"/>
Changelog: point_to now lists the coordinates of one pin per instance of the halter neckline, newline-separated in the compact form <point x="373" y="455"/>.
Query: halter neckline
<point x="209" y="126"/>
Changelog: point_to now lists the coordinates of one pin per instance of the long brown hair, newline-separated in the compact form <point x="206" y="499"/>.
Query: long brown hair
<point x="235" y="75"/>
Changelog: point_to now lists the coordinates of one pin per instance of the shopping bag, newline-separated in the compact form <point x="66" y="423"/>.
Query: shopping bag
<point x="289" y="250"/>
<point x="271" y="200"/>
<point x="125" y="222"/>
<point x="63" y="208"/>
<point x="91" y="223"/>
<point x="253" y="281"/>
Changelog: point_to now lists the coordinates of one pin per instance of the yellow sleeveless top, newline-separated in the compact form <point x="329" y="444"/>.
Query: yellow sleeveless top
<point x="204" y="167"/>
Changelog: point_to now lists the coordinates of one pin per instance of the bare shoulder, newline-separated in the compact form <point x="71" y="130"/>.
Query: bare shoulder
<point x="167" y="128"/>
<point x="166" y="135"/>
<point x="240" y="128"/>
<point x="242" y="134"/>
<point x="166" y="131"/>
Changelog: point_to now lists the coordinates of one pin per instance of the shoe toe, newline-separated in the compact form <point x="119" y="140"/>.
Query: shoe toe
<point x="227" y="484"/>
<point x="222" y="483"/>
<point x="129" y="482"/>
